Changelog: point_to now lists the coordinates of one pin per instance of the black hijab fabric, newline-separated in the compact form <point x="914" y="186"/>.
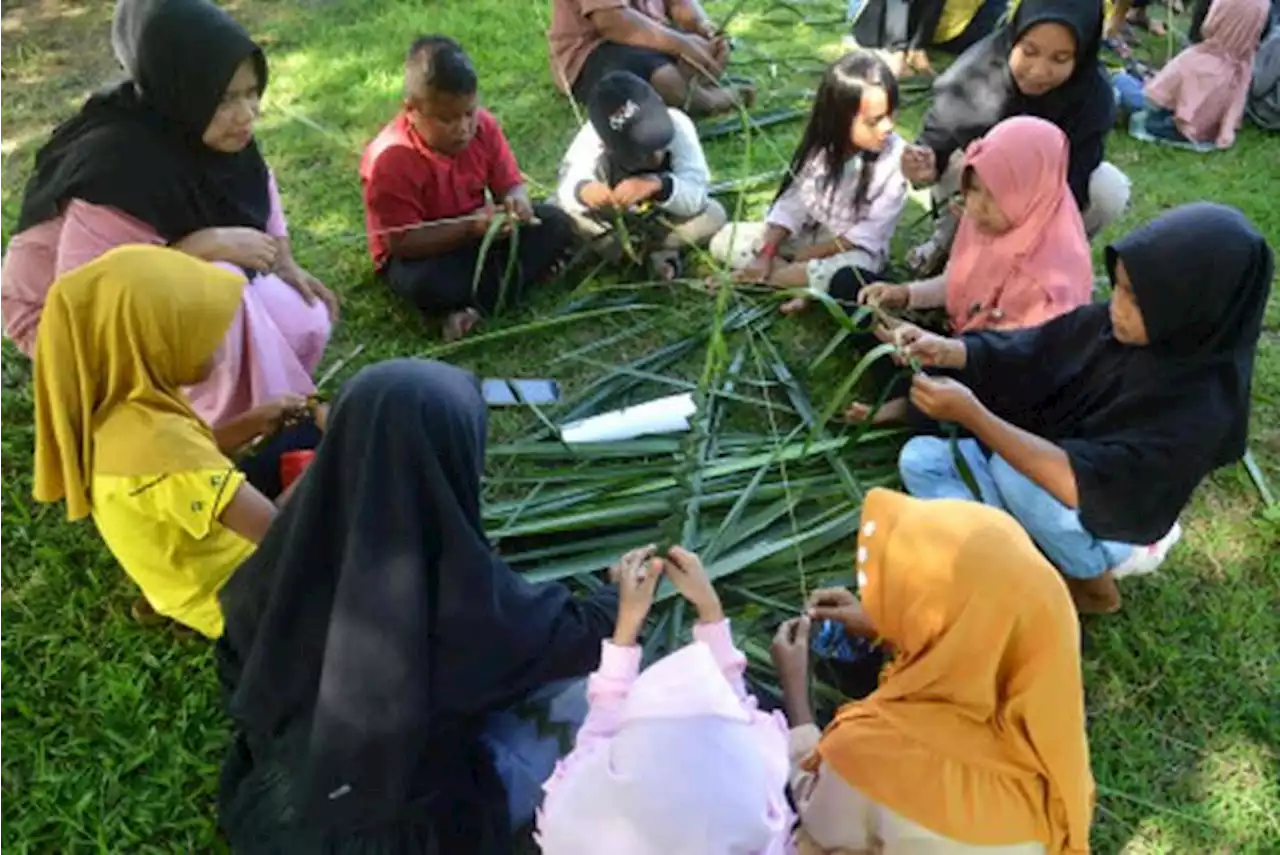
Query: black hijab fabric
<point x="978" y="91"/>
<point x="136" y="146"/>
<point x="374" y="627"/>
<point x="1143" y="425"/>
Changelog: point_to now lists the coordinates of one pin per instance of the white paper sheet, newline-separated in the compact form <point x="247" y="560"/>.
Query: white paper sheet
<point x="664" y="415"/>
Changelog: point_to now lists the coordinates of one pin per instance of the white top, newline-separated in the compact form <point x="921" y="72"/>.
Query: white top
<point x="690" y="176"/>
<point x="804" y="207"/>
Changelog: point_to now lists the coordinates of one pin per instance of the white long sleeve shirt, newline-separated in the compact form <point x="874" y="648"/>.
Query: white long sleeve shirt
<point x="585" y="161"/>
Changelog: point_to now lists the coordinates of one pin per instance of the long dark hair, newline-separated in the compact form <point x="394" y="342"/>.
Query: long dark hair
<point x="835" y="108"/>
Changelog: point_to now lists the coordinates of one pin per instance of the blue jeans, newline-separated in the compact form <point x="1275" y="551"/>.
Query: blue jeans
<point x="528" y="739"/>
<point x="929" y="471"/>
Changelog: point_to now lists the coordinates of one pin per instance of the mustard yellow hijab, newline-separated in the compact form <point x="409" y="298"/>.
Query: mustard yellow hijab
<point x="118" y="339"/>
<point x="977" y="730"/>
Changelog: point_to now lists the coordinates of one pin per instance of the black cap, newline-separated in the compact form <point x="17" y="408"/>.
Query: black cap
<point x="630" y="117"/>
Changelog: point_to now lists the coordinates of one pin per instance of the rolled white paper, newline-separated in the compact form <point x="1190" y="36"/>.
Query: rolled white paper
<point x="664" y="415"/>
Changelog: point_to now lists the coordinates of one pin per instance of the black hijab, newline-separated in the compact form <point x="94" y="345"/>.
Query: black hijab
<point x="136" y="146"/>
<point x="1143" y="425"/>
<point x="374" y="627"/>
<point x="978" y="91"/>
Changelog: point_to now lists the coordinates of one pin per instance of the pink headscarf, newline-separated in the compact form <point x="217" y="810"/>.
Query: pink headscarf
<point x="1041" y="267"/>
<point x="691" y="771"/>
<point x="1205" y="86"/>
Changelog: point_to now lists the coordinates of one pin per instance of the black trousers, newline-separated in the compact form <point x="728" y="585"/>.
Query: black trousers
<point x="443" y="283"/>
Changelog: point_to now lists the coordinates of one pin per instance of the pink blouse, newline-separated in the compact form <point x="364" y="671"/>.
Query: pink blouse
<point x="84" y="231"/>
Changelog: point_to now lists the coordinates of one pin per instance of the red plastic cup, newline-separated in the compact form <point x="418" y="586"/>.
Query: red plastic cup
<point x="292" y="465"/>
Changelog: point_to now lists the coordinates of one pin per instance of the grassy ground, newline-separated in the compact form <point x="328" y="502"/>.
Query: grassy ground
<point x="113" y="734"/>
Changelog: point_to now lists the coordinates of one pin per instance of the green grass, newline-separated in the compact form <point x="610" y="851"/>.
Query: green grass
<point x="113" y="734"/>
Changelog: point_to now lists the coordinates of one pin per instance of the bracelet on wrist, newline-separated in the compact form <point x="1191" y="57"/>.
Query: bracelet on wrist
<point x="769" y="251"/>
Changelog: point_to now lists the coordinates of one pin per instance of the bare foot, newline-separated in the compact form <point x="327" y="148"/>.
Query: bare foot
<point x="460" y="324"/>
<point x="918" y="61"/>
<point x="794" y="306"/>
<point x="890" y="411"/>
<point x="713" y="100"/>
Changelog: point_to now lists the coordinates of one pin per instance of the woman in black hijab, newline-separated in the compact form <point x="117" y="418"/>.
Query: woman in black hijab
<point x="168" y="157"/>
<point x="1094" y="429"/>
<point x="1043" y="63"/>
<point x="374" y="629"/>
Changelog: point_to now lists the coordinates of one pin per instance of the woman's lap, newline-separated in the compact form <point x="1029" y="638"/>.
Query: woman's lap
<point x="271" y="349"/>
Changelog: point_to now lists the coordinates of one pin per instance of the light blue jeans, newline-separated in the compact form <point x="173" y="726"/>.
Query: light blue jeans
<point x="929" y="471"/>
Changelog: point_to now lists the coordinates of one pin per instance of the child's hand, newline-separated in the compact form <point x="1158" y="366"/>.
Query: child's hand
<point x="790" y="653"/>
<point x="919" y="165"/>
<point x="637" y="578"/>
<point x="596" y="195"/>
<point x="275" y="413"/>
<point x="882" y="295"/>
<point x="686" y="572"/>
<point x="840" y="605"/>
<point x="517" y="206"/>
<point x="930" y="350"/>
<point x="483" y="219"/>
<point x="944" y="399"/>
<point x="637" y="189"/>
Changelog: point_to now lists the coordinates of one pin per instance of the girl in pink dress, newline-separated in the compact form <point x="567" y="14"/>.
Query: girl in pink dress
<point x="168" y="157"/>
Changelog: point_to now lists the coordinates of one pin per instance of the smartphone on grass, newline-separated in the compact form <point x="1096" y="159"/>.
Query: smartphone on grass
<point x="515" y="393"/>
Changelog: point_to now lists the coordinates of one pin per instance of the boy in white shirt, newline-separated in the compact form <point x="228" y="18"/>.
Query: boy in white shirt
<point x="634" y="156"/>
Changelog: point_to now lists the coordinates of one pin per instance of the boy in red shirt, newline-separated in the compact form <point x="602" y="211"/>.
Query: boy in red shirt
<point x="425" y="179"/>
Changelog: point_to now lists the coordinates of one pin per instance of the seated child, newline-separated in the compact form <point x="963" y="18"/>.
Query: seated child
<point x="1021" y="256"/>
<point x="670" y="44"/>
<point x="974" y="742"/>
<point x="1199" y="97"/>
<point x="116" y="436"/>
<point x="676" y="759"/>
<point x="841" y="198"/>
<point x="425" y="177"/>
<point x="636" y="153"/>
<point x="1094" y="429"/>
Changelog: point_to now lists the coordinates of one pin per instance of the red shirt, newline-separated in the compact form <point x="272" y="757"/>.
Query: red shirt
<point x="406" y="182"/>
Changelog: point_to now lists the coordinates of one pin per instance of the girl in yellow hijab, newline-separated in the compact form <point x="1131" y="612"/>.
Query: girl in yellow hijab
<point x="975" y="740"/>
<point x="115" y="435"/>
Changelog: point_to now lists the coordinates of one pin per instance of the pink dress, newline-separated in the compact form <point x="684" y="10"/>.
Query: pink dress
<point x="675" y="759"/>
<point x="274" y="344"/>
<point x="1206" y="86"/>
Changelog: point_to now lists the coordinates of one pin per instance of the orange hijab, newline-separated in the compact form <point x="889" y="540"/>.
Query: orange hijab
<point x="977" y="730"/>
<point x="1042" y="266"/>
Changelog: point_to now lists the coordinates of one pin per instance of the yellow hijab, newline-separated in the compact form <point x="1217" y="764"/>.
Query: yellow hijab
<point x="977" y="730"/>
<point x="118" y="339"/>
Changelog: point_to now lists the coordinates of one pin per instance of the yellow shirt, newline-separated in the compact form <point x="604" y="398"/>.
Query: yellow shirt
<point x="164" y="531"/>
<point x="956" y="15"/>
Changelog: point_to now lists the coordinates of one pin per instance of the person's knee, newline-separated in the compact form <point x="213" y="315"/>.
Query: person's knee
<point x="671" y="85"/>
<point x="733" y="244"/>
<point x="557" y="225"/>
<point x="923" y="459"/>
<point x="1109" y="191"/>
<point x="707" y="225"/>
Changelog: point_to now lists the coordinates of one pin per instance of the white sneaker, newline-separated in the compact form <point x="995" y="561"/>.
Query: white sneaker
<point x="1147" y="559"/>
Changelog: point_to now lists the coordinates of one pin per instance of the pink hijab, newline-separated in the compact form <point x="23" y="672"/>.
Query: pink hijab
<point x="1041" y="267"/>
<point x="1206" y="85"/>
